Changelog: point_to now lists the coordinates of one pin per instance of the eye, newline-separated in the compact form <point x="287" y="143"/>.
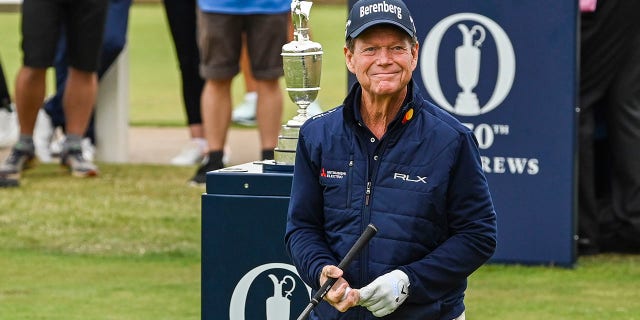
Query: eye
<point x="369" y="50"/>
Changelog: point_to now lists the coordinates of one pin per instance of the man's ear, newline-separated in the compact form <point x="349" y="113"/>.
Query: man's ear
<point x="348" y="58"/>
<point x="415" y="50"/>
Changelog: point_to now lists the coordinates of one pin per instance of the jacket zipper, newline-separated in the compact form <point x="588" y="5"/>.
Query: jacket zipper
<point x="364" y="269"/>
<point x="349" y="175"/>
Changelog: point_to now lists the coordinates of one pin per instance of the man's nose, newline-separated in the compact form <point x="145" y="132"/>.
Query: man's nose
<point x="384" y="56"/>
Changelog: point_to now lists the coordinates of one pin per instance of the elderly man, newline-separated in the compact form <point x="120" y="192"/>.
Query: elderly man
<point x="390" y="158"/>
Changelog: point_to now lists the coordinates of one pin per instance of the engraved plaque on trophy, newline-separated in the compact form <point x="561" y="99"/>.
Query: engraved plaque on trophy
<point x="302" y="63"/>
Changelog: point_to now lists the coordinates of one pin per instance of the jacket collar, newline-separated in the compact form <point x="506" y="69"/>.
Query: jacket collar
<point x="410" y="106"/>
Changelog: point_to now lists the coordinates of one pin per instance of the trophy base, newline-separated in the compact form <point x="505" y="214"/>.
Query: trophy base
<point x="298" y="120"/>
<point x="467" y="104"/>
<point x="285" y="152"/>
<point x="274" y="167"/>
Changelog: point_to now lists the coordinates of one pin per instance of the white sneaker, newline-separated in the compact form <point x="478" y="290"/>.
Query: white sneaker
<point x="88" y="149"/>
<point x="314" y="109"/>
<point x="55" y="148"/>
<point x="192" y="153"/>
<point x="42" y="133"/>
<point x="245" y="112"/>
<point x="227" y="155"/>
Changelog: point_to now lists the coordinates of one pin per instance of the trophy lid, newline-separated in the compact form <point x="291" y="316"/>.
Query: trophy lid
<point x="301" y="43"/>
<point x="300" y="11"/>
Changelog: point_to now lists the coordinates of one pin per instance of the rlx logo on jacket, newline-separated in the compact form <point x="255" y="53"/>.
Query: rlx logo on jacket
<point x="408" y="178"/>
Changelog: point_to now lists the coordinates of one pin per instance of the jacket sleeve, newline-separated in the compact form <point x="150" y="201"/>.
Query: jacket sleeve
<point x="471" y="228"/>
<point x="304" y="235"/>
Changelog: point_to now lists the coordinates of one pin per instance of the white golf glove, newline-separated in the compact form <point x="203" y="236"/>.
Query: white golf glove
<point x="386" y="293"/>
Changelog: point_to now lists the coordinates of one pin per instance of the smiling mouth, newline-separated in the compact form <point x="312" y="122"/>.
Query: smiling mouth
<point x="384" y="75"/>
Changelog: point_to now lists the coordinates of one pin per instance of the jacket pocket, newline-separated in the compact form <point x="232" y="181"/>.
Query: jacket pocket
<point x="335" y="177"/>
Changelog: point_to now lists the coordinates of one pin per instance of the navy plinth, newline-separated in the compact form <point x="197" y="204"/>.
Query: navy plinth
<point x="244" y="260"/>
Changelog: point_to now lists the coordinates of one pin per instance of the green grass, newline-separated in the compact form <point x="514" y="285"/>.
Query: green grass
<point x="123" y="246"/>
<point x="38" y="285"/>
<point x="131" y="210"/>
<point x="127" y="245"/>
<point x="600" y="287"/>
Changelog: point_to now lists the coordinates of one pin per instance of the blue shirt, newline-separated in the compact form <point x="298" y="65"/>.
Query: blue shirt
<point x="245" y="6"/>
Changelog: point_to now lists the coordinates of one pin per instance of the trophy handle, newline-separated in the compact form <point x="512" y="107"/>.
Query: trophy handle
<point x="481" y="32"/>
<point x="300" y="11"/>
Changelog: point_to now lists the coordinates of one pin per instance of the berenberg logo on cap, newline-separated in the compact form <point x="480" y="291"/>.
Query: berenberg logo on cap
<point x="380" y="7"/>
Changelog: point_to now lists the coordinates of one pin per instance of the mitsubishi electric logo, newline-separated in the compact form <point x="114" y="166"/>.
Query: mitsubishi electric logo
<point x="474" y="29"/>
<point x="332" y="174"/>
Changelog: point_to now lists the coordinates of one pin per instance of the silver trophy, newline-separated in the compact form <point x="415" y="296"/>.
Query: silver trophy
<point x="302" y="62"/>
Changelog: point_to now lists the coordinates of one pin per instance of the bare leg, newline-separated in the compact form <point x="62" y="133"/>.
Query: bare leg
<point x="216" y="112"/>
<point x="79" y="98"/>
<point x="196" y="131"/>
<point x="30" y="91"/>
<point x="269" y="112"/>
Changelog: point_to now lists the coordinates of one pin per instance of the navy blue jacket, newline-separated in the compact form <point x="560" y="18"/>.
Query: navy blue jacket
<point x="423" y="187"/>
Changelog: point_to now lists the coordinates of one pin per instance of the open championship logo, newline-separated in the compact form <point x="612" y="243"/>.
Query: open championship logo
<point x="278" y="306"/>
<point x="467" y="63"/>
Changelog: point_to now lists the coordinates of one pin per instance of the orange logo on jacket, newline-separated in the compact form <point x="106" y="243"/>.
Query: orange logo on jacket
<point x="407" y="116"/>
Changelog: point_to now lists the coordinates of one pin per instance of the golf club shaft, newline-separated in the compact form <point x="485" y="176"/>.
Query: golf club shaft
<point x="364" y="238"/>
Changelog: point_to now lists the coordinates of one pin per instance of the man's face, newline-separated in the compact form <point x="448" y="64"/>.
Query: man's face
<point x="383" y="60"/>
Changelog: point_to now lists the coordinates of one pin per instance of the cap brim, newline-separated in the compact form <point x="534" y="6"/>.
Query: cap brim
<point x="369" y="24"/>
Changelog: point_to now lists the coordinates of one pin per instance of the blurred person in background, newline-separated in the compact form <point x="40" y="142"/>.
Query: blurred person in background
<point x="245" y="112"/>
<point x="5" y="97"/>
<point x="52" y="115"/>
<point x="221" y="26"/>
<point x="609" y="127"/>
<point x="181" y="15"/>
<point x="43" y="21"/>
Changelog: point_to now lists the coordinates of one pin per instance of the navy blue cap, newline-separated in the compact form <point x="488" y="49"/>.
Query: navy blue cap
<point x="368" y="13"/>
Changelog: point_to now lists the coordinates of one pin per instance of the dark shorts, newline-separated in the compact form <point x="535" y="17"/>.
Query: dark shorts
<point x="220" y="43"/>
<point x="82" y="21"/>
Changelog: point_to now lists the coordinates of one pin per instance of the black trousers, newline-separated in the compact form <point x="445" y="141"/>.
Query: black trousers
<point x="5" y="98"/>
<point x="181" y="15"/>
<point x="609" y="127"/>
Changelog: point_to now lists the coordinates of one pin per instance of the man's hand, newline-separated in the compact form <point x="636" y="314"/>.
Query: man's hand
<point x="386" y="293"/>
<point x="340" y="296"/>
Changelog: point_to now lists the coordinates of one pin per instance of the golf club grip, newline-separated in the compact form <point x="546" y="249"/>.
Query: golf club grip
<point x="364" y="238"/>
